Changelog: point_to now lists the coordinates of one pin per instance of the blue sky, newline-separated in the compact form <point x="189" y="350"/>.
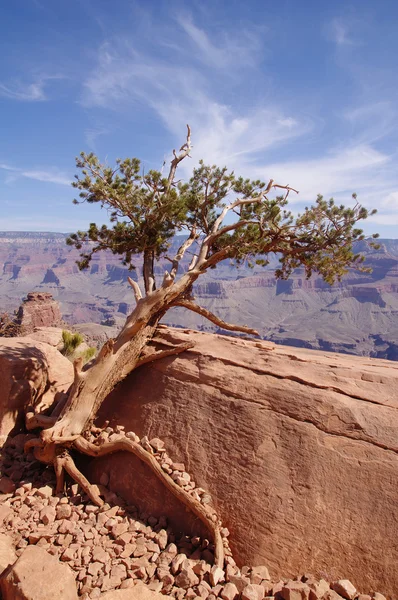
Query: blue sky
<point x="303" y="92"/>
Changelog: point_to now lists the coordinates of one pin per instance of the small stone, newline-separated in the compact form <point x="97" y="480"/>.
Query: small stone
<point x="202" y="591"/>
<point x="68" y="555"/>
<point x="229" y="592"/>
<point x="378" y="596"/>
<point x="99" y="555"/>
<point x="177" y="562"/>
<point x="45" y="492"/>
<point x="295" y="590"/>
<point x="186" y="579"/>
<point x="132" y="436"/>
<point x="94" y="568"/>
<point x="146" y="445"/>
<point x="345" y="588"/>
<point x="141" y="573"/>
<point x="201" y="568"/>
<point x="162" y="539"/>
<point x="47" y="515"/>
<point x="258" y="574"/>
<point x="178" y="466"/>
<point x="364" y="597"/>
<point x="318" y="589"/>
<point x="255" y="592"/>
<point x="240" y="581"/>
<point x="331" y="595"/>
<point x="157" y="444"/>
<point x="216" y="575"/>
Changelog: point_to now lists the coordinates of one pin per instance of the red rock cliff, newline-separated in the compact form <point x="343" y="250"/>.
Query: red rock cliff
<point x="299" y="449"/>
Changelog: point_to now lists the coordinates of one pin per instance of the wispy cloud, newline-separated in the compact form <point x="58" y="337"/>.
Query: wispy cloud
<point x="92" y="134"/>
<point x="243" y="139"/>
<point x="338" y="31"/>
<point x="27" y="91"/>
<point x="241" y="48"/>
<point x="180" y="94"/>
<point x="341" y="172"/>
<point x="52" y="175"/>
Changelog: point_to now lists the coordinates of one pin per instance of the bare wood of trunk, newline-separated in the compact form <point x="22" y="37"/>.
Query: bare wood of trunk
<point x="114" y="362"/>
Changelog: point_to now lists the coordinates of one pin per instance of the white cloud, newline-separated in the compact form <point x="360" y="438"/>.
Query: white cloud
<point x="180" y="94"/>
<point x="240" y="48"/>
<point x="340" y="173"/>
<point x="52" y="175"/>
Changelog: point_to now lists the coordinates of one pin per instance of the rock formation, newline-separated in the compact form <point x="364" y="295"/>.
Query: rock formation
<point x="356" y="316"/>
<point x="298" y="448"/>
<point x="38" y="310"/>
<point x="29" y="370"/>
<point x="59" y="547"/>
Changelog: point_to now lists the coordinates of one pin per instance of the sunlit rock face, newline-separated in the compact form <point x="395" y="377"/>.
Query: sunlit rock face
<point x="299" y="450"/>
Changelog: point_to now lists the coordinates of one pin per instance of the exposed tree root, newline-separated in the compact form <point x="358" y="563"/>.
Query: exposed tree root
<point x="34" y="421"/>
<point x="205" y="514"/>
<point x="66" y="462"/>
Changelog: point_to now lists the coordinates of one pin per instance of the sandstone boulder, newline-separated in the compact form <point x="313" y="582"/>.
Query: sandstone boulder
<point x="37" y="575"/>
<point x="7" y="552"/>
<point x="286" y="440"/>
<point x="28" y="370"/>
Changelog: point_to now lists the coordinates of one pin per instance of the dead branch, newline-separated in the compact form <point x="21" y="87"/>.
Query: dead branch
<point x="213" y="318"/>
<point x="136" y="288"/>
<point x="150" y="357"/>
<point x="205" y="514"/>
<point x="184" y="152"/>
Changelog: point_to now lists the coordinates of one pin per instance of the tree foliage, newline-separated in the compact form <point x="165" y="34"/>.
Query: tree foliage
<point x="227" y="216"/>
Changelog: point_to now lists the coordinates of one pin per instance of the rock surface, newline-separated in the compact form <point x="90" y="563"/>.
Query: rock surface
<point x="28" y="370"/>
<point x="287" y="440"/>
<point x="139" y="592"/>
<point x="38" y="576"/>
<point x="7" y="552"/>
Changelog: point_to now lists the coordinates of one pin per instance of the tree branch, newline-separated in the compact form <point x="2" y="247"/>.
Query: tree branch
<point x="136" y="288"/>
<point x="184" y="152"/>
<point x="211" y="317"/>
<point x="152" y="356"/>
<point x="178" y="257"/>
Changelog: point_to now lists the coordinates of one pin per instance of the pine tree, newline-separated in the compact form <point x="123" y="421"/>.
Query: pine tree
<point x="223" y="216"/>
